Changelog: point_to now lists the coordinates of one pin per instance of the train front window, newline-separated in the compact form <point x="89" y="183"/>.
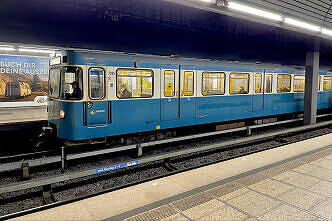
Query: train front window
<point x="54" y="83"/>
<point x="71" y="83"/>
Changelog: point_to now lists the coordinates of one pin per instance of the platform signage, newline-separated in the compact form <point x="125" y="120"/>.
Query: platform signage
<point x="23" y="80"/>
<point x="117" y="166"/>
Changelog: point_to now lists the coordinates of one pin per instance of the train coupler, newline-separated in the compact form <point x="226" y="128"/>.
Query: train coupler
<point x="47" y="130"/>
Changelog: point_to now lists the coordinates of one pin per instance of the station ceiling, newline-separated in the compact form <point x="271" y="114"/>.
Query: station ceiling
<point x="158" y="27"/>
<point x="313" y="11"/>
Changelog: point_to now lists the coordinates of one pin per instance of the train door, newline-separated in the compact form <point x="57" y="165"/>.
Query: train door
<point x="258" y="96"/>
<point x="97" y="108"/>
<point x="169" y="75"/>
<point x="187" y="92"/>
<point x="268" y="96"/>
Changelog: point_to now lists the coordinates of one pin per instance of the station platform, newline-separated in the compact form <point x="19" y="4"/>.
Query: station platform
<point x="292" y="182"/>
<point x="10" y="117"/>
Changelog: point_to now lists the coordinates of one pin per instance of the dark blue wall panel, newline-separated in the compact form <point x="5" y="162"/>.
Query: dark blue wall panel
<point x="149" y="26"/>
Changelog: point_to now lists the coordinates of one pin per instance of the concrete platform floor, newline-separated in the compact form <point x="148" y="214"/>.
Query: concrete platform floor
<point x="292" y="182"/>
<point x="22" y="114"/>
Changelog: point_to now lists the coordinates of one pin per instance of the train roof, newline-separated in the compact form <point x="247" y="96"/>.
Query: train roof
<point x="122" y="59"/>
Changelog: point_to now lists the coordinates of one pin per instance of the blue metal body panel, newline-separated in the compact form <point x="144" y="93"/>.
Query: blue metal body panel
<point x="187" y="107"/>
<point x="224" y="108"/>
<point x="324" y="99"/>
<point x="257" y="102"/>
<point x="170" y="109"/>
<point x="148" y="65"/>
<point x="148" y="114"/>
<point x="268" y="102"/>
<point x="135" y="113"/>
<point x="93" y="60"/>
<point x="70" y="127"/>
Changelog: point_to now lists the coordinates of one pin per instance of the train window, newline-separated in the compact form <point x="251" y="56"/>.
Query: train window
<point x="213" y="83"/>
<point x="188" y="83"/>
<point x="284" y="83"/>
<point x="96" y="83"/>
<point x="239" y="84"/>
<point x="54" y="83"/>
<point x="71" y="83"/>
<point x="299" y="83"/>
<point x="169" y="77"/>
<point x="66" y="83"/>
<point x="134" y="83"/>
<point x="258" y="83"/>
<point x="327" y="85"/>
<point x="268" y="83"/>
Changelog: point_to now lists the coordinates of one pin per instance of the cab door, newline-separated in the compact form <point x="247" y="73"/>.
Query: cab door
<point x="97" y="108"/>
<point x="187" y="92"/>
<point x="169" y="75"/>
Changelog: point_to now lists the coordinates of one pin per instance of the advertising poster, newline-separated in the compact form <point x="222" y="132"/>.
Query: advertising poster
<point x="23" y="80"/>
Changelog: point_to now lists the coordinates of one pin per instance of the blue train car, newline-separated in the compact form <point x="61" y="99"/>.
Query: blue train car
<point x="102" y="94"/>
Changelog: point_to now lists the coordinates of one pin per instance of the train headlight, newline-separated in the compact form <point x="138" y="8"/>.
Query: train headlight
<point x="62" y="114"/>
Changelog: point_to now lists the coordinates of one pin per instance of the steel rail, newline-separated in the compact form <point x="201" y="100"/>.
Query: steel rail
<point x="93" y="171"/>
<point x="9" y="167"/>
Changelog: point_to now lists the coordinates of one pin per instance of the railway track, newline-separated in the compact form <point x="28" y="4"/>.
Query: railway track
<point x="43" y="157"/>
<point x="18" y="157"/>
<point x="56" y="188"/>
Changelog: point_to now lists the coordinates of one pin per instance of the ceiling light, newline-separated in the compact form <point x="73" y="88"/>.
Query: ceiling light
<point x="302" y="24"/>
<point x="36" y="50"/>
<point x="208" y="1"/>
<point x="327" y="31"/>
<point x="254" y="11"/>
<point x="7" y="49"/>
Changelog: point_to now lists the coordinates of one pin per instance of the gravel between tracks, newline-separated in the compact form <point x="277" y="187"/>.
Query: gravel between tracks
<point x="21" y="200"/>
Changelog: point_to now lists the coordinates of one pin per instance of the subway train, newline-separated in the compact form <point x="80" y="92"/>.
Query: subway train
<point x="17" y="89"/>
<point x="121" y="93"/>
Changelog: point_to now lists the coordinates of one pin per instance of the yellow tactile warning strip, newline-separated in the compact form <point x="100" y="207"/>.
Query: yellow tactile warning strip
<point x="191" y="201"/>
<point x="156" y="214"/>
<point x="200" y="205"/>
